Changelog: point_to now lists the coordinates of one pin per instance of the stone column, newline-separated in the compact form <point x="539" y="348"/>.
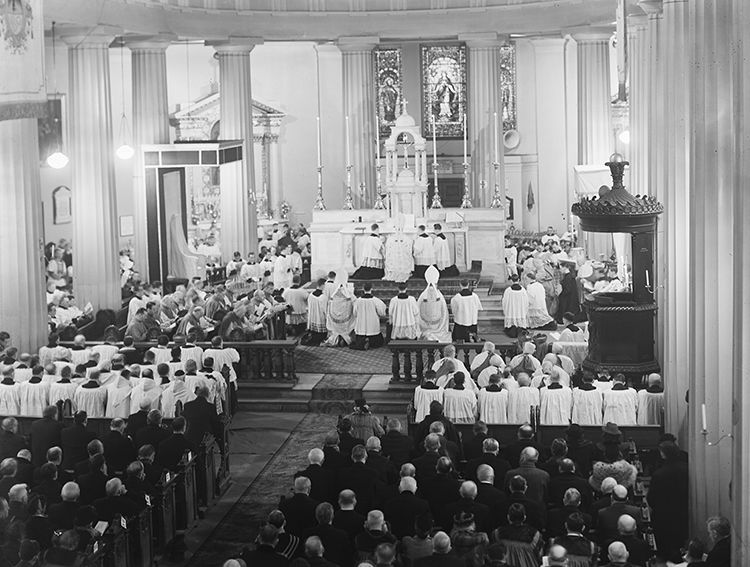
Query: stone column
<point x="275" y="188"/>
<point x="239" y="219"/>
<point x="150" y="126"/>
<point x="484" y="101"/>
<point x="23" y="305"/>
<point x="640" y="88"/>
<point x="96" y="270"/>
<point x="595" y="141"/>
<point x="359" y="106"/>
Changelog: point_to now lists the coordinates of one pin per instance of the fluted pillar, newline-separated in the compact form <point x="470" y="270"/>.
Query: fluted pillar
<point x="239" y="219"/>
<point x="359" y="106"/>
<point x="484" y="101"/>
<point x="595" y="137"/>
<point x="638" y="97"/>
<point x="23" y="305"/>
<point x="276" y="192"/>
<point x="150" y="125"/>
<point x="96" y="270"/>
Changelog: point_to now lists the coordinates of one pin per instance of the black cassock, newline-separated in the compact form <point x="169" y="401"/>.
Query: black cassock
<point x="568" y="299"/>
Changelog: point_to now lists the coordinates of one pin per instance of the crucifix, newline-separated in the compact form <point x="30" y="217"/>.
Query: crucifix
<point x="403" y="106"/>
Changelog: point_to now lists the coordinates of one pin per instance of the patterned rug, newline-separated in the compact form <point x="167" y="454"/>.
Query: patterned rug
<point x="240" y="526"/>
<point x="340" y="360"/>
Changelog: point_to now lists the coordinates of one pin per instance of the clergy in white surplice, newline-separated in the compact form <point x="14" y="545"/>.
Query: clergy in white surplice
<point x="433" y="310"/>
<point x="177" y="391"/>
<point x="565" y="361"/>
<point x="53" y="351"/>
<point x="340" y="316"/>
<point x="521" y="399"/>
<point x="424" y="252"/>
<point x="442" y="254"/>
<point x="9" y="399"/>
<point x="106" y="350"/>
<point x="493" y="402"/>
<point x="64" y="389"/>
<point x="91" y="397"/>
<point x="79" y="353"/>
<point x="620" y="404"/>
<point x="539" y="318"/>
<point x="223" y="357"/>
<point x="33" y="395"/>
<point x="465" y="306"/>
<point x="146" y="391"/>
<point x="459" y="402"/>
<point x="425" y="394"/>
<point x="296" y="298"/>
<point x="651" y="401"/>
<point x="448" y="364"/>
<point x="317" y="307"/>
<point x="495" y="367"/>
<point x="403" y="315"/>
<point x="118" y="396"/>
<point x="526" y="361"/>
<point x="368" y="311"/>
<point x="556" y="402"/>
<point x="282" y="269"/>
<point x="372" y="264"/>
<point x="515" y="307"/>
<point x="587" y="403"/>
<point x="483" y="360"/>
<point x="543" y="377"/>
<point x="162" y="352"/>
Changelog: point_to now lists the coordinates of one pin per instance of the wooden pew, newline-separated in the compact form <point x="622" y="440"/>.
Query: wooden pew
<point x="187" y="497"/>
<point x="140" y="539"/>
<point x="117" y="553"/>
<point x="205" y="472"/>
<point x="164" y="513"/>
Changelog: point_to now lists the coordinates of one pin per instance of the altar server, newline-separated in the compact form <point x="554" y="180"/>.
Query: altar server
<point x="492" y="402"/>
<point x="587" y="403"/>
<point x="177" y="391"/>
<point x="404" y="315"/>
<point x="425" y="394"/>
<point x="79" y="353"/>
<point x="460" y="403"/>
<point x="651" y="401"/>
<point x="33" y="395"/>
<point x="465" y="306"/>
<point x="424" y="252"/>
<point x="620" y="404"/>
<point x="556" y="402"/>
<point x="448" y="364"/>
<point x="511" y="258"/>
<point x="520" y="399"/>
<point x="372" y="257"/>
<point x="483" y="360"/>
<point x="495" y="366"/>
<point x="368" y="311"/>
<point x="317" y="307"/>
<point x="433" y="310"/>
<point x="340" y="315"/>
<point x="515" y="307"/>
<point x="162" y="352"/>
<point x="9" y="395"/>
<point x="282" y="269"/>
<point x="91" y="397"/>
<point x="223" y="356"/>
<point x="442" y="254"/>
<point x="53" y="351"/>
<point x="107" y="349"/>
<point x="539" y="318"/>
<point x="296" y="298"/>
<point x="118" y="396"/>
<point x="64" y="389"/>
<point x="572" y="333"/>
<point x="250" y="271"/>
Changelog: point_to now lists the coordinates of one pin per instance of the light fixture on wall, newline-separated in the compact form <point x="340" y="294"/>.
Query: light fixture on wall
<point x="125" y="151"/>
<point x="57" y="159"/>
<point x="624" y="136"/>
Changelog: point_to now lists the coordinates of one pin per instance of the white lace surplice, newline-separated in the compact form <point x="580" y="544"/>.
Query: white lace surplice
<point x="399" y="262"/>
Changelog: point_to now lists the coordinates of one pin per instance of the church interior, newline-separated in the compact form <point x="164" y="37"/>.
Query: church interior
<point x="374" y="282"/>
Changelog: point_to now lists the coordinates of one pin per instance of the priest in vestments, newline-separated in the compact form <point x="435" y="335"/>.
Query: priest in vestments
<point x="547" y="373"/>
<point x="515" y="307"/>
<point x="425" y="394"/>
<point x="79" y="353"/>
<point x="340" y="316"/>
<point x="9" y="394"/>
<point x="448" y="364"/>
<point x="91" y="397"/>
<point x="33" y="395"/>
<point x="565" y="361"/>
<point x="494" y="367"/>
<point x="493" y="402"/>
<point x="372" y="264"/>
<point x="556" y="402"/>
<point x="620" y="404"/>
<point x="465" y="306"/>
<point x="538" y="316"/>
<point x="317" y="307"/>
<point x="651" y="401"/>
<point x="64" y="389"/>
<point x="526" y="361"/>
<point x="572" y="333"/>
<point x="460" y="403"/>
<point x="118" y="396"/>
<point x="443" y="255"/>
<point x="282" y="270"/>
<point x="433" y="310"/>
<point x="368" y="311"/>
<point x="484" y="359"/>
<point x="145" y="391"/>
<point x="398" y="262"/>
<point x="520" y="399"/>
<point x="177" y="391"/>
<point x="587" y="403"/>
<point x="424" y="252"/>
<point x="403" y="313"/>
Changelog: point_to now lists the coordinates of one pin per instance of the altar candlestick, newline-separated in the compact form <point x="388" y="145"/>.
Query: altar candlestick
<point x="434" y="142"/>
<point x="648" y="283"/>
<point x="377" y="136"/>
<point x="465" y="139"/>
<point x="703" y="416"/>
<point x="346" y="136"/>
<point x="496" y="139"/>
<point x="317" y="123"/>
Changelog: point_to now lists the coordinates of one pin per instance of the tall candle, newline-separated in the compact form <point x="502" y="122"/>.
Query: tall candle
<point x="465" y="139"/>
<point x="648" y="283"/>
<point x="496" y="139"/>
<point x="317" y="123"/>
<point x="346" y="137"/>
<point x="703" y="416"/>
<point x="434" y="142"/>
<point x="377" y="136"/>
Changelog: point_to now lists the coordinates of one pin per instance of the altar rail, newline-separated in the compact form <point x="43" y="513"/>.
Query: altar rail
<point x="426" y="353"/>
<point x="262" y="360"/>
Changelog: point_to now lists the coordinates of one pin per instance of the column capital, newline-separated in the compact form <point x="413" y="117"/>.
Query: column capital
<point x="482" y="39"/>
<point x="235" y="44"/>
<point x="548" y="44"/>
<point x="651" y="7"/>
<point x="638" y="21"/>
<point x="352" y="44"/>
<point x="591" y="35"/>
<point x="85" y="37"/>
<point x="155" y="43"/>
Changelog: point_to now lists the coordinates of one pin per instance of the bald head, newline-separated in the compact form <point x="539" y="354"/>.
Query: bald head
<point x="626" y="525"/>
<point x="407" y="484"/>
<point x="557" y="556"/>
<point x="654" y="380"/>
<point x="617" y="552"/>
<point x="529" y="455"/>
<point x="441" y="543"/>
<point x="315" y="457"/>
<point x="608" y="485"/>
<point x="468" y="490"/>
<point x="485" y="473"/>
<point x="314" y="547"/>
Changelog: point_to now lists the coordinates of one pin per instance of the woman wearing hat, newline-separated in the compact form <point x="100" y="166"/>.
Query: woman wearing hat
<point x="609" y="460"/>
<point x="364" y="423"/>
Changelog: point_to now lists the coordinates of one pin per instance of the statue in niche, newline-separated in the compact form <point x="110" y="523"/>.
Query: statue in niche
<point x="445" y="95"/>
<point x="389" y="99"/>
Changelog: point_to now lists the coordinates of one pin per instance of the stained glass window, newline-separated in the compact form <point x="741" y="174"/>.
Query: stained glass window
<point x="388" y="85"/>
<point x="444" y="89"/>
<point x="508" y="85"/>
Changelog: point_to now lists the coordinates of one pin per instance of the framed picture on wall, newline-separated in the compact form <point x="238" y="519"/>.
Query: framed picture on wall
<point x="62" y="212"/>
<point x="126" y="225"/>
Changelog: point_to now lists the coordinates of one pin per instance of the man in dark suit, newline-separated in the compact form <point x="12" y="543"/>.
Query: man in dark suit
<point x="639" y="552"/>
<point x="299" y="509"/>
<point x="118" y="449"/>
<point x="92" y="484"/>
<point x="25" y="470"/>
<point x="201" y="418"/>
<point x="10" y="441"/>
<point x="607" y="520"/>
<point x="63" y="513"/>
<point x="314" y="551"/>
<point x="265" y="552"/>
<point x="45" y="433"/>
<point x="467" y="504"/>
<point x="567" y="478"/>
<point x="387" y="473"/>
<point x="153" y="434"/>
<point x="436" y="414"/>
<point x="395" y="445"/>
<point x="668" y="498"/>
<point x="115" y="502"/>
<point x="512" y="452"/>
<point x="473" y="448"/>
<point x="361" y="479"/>
<point x="347" y="441"/>
<point x="95" y="447"/>
<point x="571" y="504"/>
<point x="346" y="517"/>
<point x="536" y="513"/>
<point x="489" y="495"/>
<point x="333" y="459"/>
<point x="536" y="478"/>
<point x="323" y="480"/>
<point x="138" y="419"/>
<point x="47" y="484"/>
<point x="442" y="554"/>
<point x="443" y="489"/>
<point x="490" y="456"/>
<point x="425" y="464"/>
<point x="338" y="547"/>
<point x="173" y="448"/>
<point x="152" y="470"/>
<point x="719" y="532"/>
<point x="402" y="511"/>
<point x="74" y="441"/>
